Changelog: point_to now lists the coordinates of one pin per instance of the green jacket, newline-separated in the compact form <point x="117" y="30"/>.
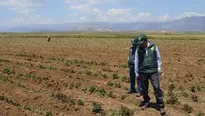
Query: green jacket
<point x="148" y="60"/>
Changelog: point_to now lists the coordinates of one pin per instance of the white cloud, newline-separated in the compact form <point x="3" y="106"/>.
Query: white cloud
<point x="89" y="9"/>
<point x="82" y="18"/>
<point x="37" y="19"/>
<point x="163" y="18"/>
<point x="95" y="10"/>
<point x="118" y="12"/>
<point x="123" y="15"/>
<point x="25" y="11"/>
<point x="144" y="16"/>
<point x="190" y="14"/>
<point x="86" y="6"/>
<point x="20" y="6"/>
<point x="80" y="7"/>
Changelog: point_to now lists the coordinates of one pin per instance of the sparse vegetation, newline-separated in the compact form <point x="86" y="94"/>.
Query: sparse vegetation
<point x="63" y="98"/>
<point x="4" y="78"/>
<point x="200" y="113"/>
<point x="80" y="102"/>
<point x="78" y="69"/>
<point x="122" y="111"/>
<point x="115" y="76"/>
<point x="171" y="87"/>
<point x="122" y="97"/>
<point x="104" y="76"/>
<point x="172" y="98"/>
<point x="3" y="60"/>
<point x="187" y="108"/>
<point x="91" y="89"/>
<point x="9" y="71"/>
<point x="88" y="72"/>
<point x="184" y="94"/>
<point x="71" y="86"/>
<point x="102" y="92"/>
<point x="110" y="94"/>
<point x="96" y="107"/>
<point x="125" y="79"/>
<point x="49" y="114"/>
<point x="195" y="98"/>
<point x="193" y="89"/>
<point x="109" y="83"/>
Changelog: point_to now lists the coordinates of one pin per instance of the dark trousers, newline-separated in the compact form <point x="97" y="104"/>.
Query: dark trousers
<point x="132" y="81"/>
<point x="154" y="79"/>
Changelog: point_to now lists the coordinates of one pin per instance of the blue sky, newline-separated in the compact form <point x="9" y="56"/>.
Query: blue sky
<point x="17" y="12"/>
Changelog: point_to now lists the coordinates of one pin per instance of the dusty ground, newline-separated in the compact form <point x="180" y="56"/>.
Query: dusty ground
<point x="64" y="77"/>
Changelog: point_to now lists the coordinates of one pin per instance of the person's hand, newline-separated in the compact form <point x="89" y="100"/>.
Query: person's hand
<point x="137" y="75"/>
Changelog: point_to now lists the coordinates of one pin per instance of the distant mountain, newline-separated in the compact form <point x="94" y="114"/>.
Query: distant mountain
<point x="195" y="23"/>
<point x="186" y="24"/>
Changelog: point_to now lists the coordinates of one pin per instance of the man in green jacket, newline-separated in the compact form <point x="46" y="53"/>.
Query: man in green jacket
<point x="148" y="67"/>
<point x="131" y="65"/>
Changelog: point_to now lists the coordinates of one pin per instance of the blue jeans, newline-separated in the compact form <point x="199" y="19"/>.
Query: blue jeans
<point x="132" y="81"/>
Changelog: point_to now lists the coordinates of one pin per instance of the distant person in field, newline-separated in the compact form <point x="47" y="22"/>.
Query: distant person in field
<point x="48" y="39"/>
<point x="148" y="67"/>
<point x="131" y="65"/>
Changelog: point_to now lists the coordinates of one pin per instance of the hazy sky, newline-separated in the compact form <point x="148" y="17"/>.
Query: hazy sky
<point x="15" y="12"/>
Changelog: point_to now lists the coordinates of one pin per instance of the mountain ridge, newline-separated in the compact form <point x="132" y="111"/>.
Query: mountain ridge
<point x="195" y="23"/>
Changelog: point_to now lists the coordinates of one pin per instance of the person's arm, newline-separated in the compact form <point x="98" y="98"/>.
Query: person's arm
<point x="136" y="62"/>
<point x="159" y="63"/>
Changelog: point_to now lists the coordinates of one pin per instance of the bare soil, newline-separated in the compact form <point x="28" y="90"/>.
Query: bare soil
<point x="51" y="78"/>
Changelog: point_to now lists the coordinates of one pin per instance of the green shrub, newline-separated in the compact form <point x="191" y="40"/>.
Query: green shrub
<point x="172" y="98"/>
<point x="78" y="85"/>
<point x="171" y="87"/>
<point x="184" y="94"/>
<point x="12" y="102"/>
<point x="49" y="114"/>
<point x="102" y="92"/>
<point x="109" y="83"/>
<point x="195" y="98"/>
<point x="3" y="60"/>
<point x="115" y="76"/>
<point x="2" y="97"/>
<point x="200" y="113"/>
<point x="88" y="72"/>
<point x="193" y="89"/>
<point x="117" y="85"/>
<point x="41" y="66"/>
<point x="199" y="88"/>
<point x="102" y="63"/>
<point x="91" y="89"/>
<point x="122" y="111"/>
<point x="104" y="76"/>
<point x="110" y="94"/>
<point x="4" y="78"/>
<point x="122" y="97"/>
<point x="61" y="97"/>
<point x="80" y="102"/>
<point x="187" y="108"/>
<point x="125" y="79"/>
<point x="27" y="108"/>
<point x="96" y="107"/>
<point x="6" y="70"/>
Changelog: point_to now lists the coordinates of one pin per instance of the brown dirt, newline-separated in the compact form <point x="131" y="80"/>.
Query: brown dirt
<point x="44" y="69"/>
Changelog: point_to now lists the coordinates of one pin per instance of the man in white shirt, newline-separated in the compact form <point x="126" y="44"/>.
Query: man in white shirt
<point x="148" y="67"/>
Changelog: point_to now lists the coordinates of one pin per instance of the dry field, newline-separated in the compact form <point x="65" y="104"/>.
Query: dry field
<point x="87" y="74"/>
